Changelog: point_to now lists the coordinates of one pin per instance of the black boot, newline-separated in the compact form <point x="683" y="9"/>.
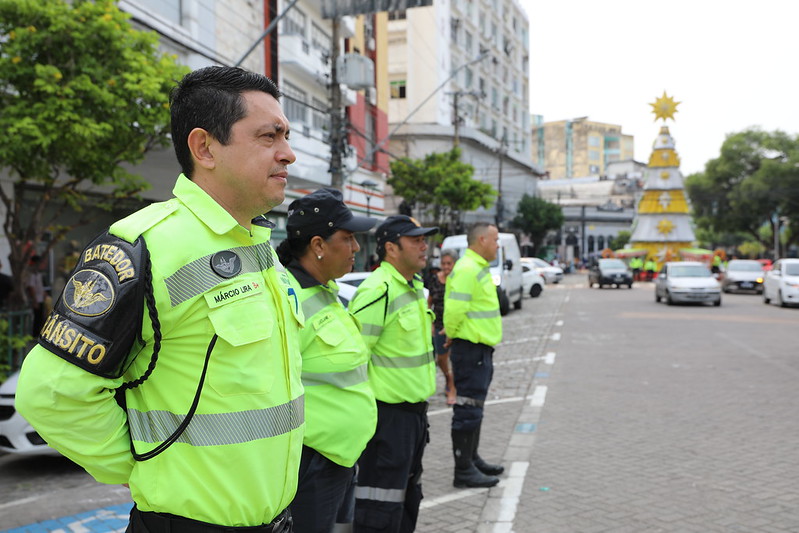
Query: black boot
<point x="466" y="474"/>
<point x="482" y="466"/>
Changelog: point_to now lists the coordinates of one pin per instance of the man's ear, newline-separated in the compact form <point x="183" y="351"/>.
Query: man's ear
<point x="200" y="146"/>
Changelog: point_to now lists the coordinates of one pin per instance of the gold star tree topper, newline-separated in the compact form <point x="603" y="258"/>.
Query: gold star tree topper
<point x="664" y="107"/>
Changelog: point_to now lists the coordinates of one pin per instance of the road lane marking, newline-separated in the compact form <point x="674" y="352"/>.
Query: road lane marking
<point x="749" y="319"/>
<point x="451" y="497"/>
<point x="539" y="396"/>
<point x="555" y="336"/>
<point x="549" y="358"/>
<point x="559" y="323"/>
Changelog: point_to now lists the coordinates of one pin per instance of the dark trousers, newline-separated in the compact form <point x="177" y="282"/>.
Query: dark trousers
<point x="472" y="369"/>
<point x="149" y="522"/>
<point x="325" y="494"/>
<point x="389" y="490"/>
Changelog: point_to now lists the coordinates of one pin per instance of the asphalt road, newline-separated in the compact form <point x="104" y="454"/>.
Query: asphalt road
<point x="611" y="413"/>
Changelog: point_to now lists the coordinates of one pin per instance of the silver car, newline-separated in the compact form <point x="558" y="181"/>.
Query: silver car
<point x="743" y="275"/>
<point x="685" y="282"/>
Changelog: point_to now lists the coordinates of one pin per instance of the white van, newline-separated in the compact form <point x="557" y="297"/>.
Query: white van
<point x="506" y="269"/>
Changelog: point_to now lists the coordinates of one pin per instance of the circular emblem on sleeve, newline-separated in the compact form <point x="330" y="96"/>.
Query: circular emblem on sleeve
<point x="226" y="263"/>
<point x="89" y="293"/>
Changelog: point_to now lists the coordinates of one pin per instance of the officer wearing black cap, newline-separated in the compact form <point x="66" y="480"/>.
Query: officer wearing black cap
<point x="396" y="322"/>
<point x="340" y="411"/>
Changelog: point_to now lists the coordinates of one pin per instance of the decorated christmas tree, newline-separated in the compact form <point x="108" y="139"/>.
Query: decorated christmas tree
<point x="663" y="223"/>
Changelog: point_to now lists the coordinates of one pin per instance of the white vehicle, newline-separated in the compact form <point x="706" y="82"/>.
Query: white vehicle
<point x="782" y="283"/>
<point x="550" y="273"/>
<point x="348" y="284"/>
<point x="506" y="269"/>
<point x="687" y="282"/>
<point x="532" y="282"/>
<point x="16" y="434"/>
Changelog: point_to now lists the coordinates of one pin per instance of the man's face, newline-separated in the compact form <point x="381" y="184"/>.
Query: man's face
<point x="410" y="256"/>
<point x="251" y="169"/>
<point x="490" y="243"/>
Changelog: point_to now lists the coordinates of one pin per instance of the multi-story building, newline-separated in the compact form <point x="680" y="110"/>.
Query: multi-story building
<point x="459" y="75"/>
<point x="578" y="147"/>
<point x="305" y="59"/>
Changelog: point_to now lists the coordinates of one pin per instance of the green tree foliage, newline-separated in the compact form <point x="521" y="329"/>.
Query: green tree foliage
<point x="755" y="177"/>
<point x="536" y="217"/>
<point x="620" y="240"/>
<point x="440" y="186"/>
<point x="81" y="93"/>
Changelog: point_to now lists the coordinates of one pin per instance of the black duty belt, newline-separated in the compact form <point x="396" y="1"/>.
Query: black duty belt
<point x="163" y="522"/>
<point x="419" y="408"/>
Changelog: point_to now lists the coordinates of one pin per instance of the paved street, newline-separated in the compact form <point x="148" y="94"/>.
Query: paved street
<point x="611" y="413"/>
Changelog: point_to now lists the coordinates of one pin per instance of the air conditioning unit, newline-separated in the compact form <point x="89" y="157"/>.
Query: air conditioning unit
<point x="356" y="71"/>
<point x="371" y="95"/>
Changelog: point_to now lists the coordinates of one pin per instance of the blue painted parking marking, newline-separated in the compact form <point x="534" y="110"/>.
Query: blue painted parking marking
<point x="108" y="519"/>
<point x="541" y="374"/>
<point x="525" y="428"/>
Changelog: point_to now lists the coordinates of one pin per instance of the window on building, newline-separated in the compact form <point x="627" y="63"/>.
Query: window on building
<point x="294" y="22"/>
<point x="593" y="155"/>
<point x="494" y="98"/>
<point x="168" y="9"/>
<point x="593" y="141"/>
<point x="398" y="89"/>
<point x="320" y="39"/>
<point x="294" y="102"/>
<point x="369" y="134"/>
<point x="482" y="85"/>
<point x="467" y="42"/>
<point x="454" y="25"/>
<point x="396" y="15"/>
<point x="321" y="118"/>
<point x="467" y="77"/>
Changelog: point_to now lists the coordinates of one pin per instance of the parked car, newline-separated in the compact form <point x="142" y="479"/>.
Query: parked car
<point x="550" y="273"/>
<point x="743" y="275"/>
<point x="610" y="271"/>
<point x="687" y="281"/>
<point x="16" y="434"/>
<point x="782" y="283"/>
<point x="532" y="282"/>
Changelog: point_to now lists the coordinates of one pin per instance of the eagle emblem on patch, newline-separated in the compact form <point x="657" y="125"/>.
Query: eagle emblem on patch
<point x="89" y="293"/>
<point x="226" y="263"/>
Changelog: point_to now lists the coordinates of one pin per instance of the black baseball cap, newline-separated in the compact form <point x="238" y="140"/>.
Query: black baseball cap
<point x="397" y="226"/>
<point x="322" y="213"/>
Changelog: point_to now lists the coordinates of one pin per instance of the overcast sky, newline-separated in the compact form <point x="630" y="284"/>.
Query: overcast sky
<point x="733" y="64"/>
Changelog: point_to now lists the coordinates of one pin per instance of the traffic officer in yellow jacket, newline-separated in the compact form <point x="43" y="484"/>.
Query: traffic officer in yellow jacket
<point x="472" y="322"/>
<point x="396" y="324"/>
<point x="179" y="311"/>
<point x="340" y="410"/>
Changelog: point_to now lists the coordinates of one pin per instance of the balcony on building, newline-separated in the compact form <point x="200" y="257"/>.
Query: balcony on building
<point x="299" y="58"/>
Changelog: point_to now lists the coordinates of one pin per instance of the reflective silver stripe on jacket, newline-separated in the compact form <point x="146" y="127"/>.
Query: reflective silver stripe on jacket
<point x="380" y="495"/>
<point x="317" y="302"/>
<point x="196" y="277"/>
<point x="483" y="314"/>
<point x="402" y="300"/>
<point x="483" y="273"/>
<point x="462" y="296"/>
<point x="371" y="329"/>
<point x="220" y="428"/>
<point x="402" y="362"/>
<point x="341" y="380"/>
<point x="463" y="400"/>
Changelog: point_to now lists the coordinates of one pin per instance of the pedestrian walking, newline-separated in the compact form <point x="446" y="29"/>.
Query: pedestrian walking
<point x="436" y="286"/>
<point x="474" y="325"/>
<point x="340" y="410"/>
<point x="396" y="323"/>
<point x="178" y="313"/>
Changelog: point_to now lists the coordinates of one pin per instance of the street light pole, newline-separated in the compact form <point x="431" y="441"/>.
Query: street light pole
<point x="369" y="186"/>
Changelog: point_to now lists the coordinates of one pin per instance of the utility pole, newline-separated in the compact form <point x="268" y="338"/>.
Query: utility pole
<point x="457" y="121"/>
<point x="337" y="133"/>
<point x="500" y="205"/>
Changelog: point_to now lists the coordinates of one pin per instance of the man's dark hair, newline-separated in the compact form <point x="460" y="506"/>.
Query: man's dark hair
<point x="477" y="229"/>
<point x="210" y="98"/>
<point x="381" y="248"/>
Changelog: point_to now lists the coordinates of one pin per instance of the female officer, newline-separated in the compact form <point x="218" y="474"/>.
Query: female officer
<point x="340" y="410"/>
